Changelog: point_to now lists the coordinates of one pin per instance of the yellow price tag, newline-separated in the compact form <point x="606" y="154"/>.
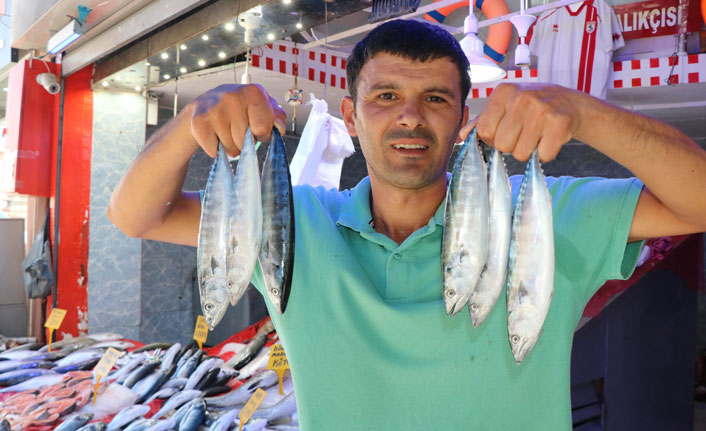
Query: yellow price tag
<point x="250" y="407"/>
<point x="54" y="322"/>
<point x="278" y="362"/>
<point x="201" y="331"/>
<point x="104" y="366"/>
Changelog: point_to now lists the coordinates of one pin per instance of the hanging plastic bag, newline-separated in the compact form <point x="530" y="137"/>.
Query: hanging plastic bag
<point x="37" y="265"/>
<point x="323" y="146"/>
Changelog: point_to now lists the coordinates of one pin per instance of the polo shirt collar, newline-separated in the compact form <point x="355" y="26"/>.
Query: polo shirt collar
<point x="355" y="214"/>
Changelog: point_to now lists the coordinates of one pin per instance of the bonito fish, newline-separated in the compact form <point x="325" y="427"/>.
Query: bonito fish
<point x="214" y="232"/>
<point x="531" y="264"/>
<point x="492" y="279"/>
<point x="277" y="254"/>
<point x="246" y="222"/>
<point x="465" y="243"/>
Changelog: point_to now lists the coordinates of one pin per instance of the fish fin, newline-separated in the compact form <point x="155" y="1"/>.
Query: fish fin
<point x="522" y="293"/>
<point x="214" y="264"/>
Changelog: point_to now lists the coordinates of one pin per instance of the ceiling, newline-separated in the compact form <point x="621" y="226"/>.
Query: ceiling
<point x="678" y="105"/>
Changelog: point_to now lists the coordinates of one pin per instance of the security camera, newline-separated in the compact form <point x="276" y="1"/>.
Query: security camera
<point x="49" y="82"/>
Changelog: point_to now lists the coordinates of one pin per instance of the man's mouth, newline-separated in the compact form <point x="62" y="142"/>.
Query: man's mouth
<point x="409" y="147"/>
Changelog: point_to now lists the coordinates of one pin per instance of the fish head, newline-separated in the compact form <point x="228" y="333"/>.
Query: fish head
<point x="524" y="325"/>
<point x="478" y="313"/>
<point x="455" y="295"/>
<point x="214" y="302"/>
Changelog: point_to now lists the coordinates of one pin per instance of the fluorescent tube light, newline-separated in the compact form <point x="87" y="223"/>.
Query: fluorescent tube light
<point x="65" y="37"/>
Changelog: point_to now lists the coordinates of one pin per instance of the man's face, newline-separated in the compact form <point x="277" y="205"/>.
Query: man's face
<point x="407" y="118"/>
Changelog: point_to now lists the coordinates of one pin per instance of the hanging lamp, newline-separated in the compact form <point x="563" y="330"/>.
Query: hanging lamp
<point x="482" y="69"/>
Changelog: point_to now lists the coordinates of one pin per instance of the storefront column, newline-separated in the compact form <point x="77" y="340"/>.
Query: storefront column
<point x="114" y="262"/>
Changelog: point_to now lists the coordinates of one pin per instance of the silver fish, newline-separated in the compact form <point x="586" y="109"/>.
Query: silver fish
<point x="214" y="230"/>
<point x="245" y="236"/>
<point x="224" y="422"/>
<point x="531" y="265"/>
<point x="277" y="254"/>
<point x="464" y="247"/>
<point x="492" y="279"/>
<point x="281" y="409"/>
<point x="127" y="415"/>
<point x="176" y="401"/>
<point x="243" y="392"/>
<point x="201" y="370"/>
<point x="259" y="363"/>
<point x="34" y="383"/>
<point x="194" y="416"/>
<point x="75" y="422"/>
<point x="169" y="356"/>
<point x="163" y="425"/>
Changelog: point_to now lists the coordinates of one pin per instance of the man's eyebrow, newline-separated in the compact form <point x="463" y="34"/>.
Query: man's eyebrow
<point x="384" y="86"/>
<point x="441" y="90"/>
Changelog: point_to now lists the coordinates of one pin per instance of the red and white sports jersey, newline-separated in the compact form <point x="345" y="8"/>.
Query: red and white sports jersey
<point x="575" y="49"/>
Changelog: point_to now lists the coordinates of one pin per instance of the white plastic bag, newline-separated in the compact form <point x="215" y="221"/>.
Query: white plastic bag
<point x="323" y="146"/>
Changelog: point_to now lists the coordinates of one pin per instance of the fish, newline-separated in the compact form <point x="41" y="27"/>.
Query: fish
<point x="200" y="371"/>
<point x="169" y="356"/>
<point x="163" y="425"/>
<point x="258" y="364"/>
<point x="464" y="246"/>
<point x="140" y="372"/>
<point x="5" y="425"/>
<point x="152" y="346"/>
<point x="277" y="252"/>
<point x="11" y="378"/>
<point x="78" y="357"/>
<point x="246" y="222"/>
<point x="530" y="284"/>
<point x="123" y="372"/>
<point x="243" y="392"/>
<point x="224" y="422"/>
<point x="152" y="383"/>
<point x="193" y="416"/>
<point x="162" y="394"/>
<point x="190" y="365"/>
<point x="142" y="424"/>
<point x="95" y="426"/>
<point x="492" y="279"/>
<point x="240" y="359"/>
<point x="213" y="240"/>
<point x="281" y="409"/>
<point x="127" y="415"/>
<point x="75" y="422"/>
<point x="177" y="401"/>
<point x="12" y="365"/>
<point x="213" y="391"/>
<point x="208" y="379"/>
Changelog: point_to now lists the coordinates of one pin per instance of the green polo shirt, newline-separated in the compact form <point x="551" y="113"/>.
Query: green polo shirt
<point x="369" y="342"/>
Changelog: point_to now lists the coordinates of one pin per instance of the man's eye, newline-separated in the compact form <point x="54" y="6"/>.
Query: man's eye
<point x="436" y="99"/>
<point x="386" y="96"/>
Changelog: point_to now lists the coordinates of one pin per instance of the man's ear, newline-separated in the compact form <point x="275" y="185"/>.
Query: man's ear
<point x="465" y="115"/>
<point x="348" y="112"/>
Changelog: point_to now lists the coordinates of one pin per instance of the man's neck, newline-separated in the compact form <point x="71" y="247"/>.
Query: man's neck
<point x="398" y="213"/>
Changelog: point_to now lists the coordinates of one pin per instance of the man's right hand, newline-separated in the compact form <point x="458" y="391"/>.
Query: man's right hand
<point x="148" y="202"/>
<point x="225" y="112"/>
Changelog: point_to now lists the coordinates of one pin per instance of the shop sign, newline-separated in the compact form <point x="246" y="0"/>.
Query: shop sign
<point x="654" y="18"/>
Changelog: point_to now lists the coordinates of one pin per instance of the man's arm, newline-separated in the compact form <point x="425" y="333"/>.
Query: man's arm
<point x="148" y="201"/>
<point x="519" y="118"/>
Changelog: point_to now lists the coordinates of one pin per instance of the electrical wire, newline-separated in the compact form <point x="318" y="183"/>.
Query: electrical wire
<point x="325" y="48"/>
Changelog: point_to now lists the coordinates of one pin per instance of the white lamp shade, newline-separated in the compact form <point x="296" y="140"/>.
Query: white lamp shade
<point x="482" y="69"/>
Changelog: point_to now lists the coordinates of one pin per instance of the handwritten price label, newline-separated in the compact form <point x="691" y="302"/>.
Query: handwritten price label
<point x="54" y="322"/>
<point x="201" y="331"/>
<point x="278" y="362"/>
<point x="103" y="367"/>
<point x="250" y="407"/>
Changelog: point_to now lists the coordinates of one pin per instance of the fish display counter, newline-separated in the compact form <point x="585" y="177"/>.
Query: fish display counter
<point x="159" y="386"/>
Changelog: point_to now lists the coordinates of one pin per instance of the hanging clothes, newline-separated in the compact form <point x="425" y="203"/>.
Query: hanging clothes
<point x="323" y="146"/>
<point x="574" y="45"/>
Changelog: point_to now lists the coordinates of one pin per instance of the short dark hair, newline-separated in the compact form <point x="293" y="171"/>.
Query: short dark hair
<point x="416" y="40"/>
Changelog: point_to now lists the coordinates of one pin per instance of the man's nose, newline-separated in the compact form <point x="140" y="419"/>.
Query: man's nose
<point x="411" y="115"/>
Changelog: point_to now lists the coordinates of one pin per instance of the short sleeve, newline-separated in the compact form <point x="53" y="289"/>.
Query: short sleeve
<point x="592" y="220"/>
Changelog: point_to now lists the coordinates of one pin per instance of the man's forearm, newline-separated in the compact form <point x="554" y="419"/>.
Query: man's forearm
<point x="667" y="161"/>
<point x="151" y="188"/>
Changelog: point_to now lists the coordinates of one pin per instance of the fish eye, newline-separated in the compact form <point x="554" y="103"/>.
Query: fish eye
<point x="474" y="307"/>
<point x="450" y="293"/>
<point x="515" y="339"/>
<point x="208" y="307"/>
<point x="230" y="283"/>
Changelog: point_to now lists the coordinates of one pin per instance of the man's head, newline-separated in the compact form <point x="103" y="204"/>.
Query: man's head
<point x="414" y="40"/>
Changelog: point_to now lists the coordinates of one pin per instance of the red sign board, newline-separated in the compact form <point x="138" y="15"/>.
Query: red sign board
<point x="658" y="18"/>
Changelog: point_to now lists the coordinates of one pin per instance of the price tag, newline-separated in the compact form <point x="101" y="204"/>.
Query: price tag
<point x="104" y="366"/>
<point x="278" y="362"/>
<point x="201" y="331"/>
<point x="250" y="407"/>
<point x="54" y="322"/>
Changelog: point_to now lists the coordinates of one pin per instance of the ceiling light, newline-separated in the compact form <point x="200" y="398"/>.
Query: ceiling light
<point x="166" y="76"/>
<point x="65" y="37"/>
<point x="270" y="36"/>
<point x="147" y="63"/>
<point x="482" y="69"/>
<point x="138" y="88"/>
<point x="165" y="55"/>
<point x="118" y="78"/>
<point x="299" y="25"/>
<point x="230" y="26"/>
<point x="286" y="1"/>
<point x="104" y="83"/>
<point x="202" y="63"/>
<point x="522" y="23"/>
<point x="221" y="54"/>
<point x="5" y="89"/>
<point x="182" y="70"/>
<point x="204" y="37"/>
<point x="183" y="47"/>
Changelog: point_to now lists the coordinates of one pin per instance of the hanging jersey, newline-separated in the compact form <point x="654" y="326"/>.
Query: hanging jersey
<point x="575" y="49"/>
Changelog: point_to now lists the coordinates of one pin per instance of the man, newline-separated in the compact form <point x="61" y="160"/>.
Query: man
<point x="365" y="329"/>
